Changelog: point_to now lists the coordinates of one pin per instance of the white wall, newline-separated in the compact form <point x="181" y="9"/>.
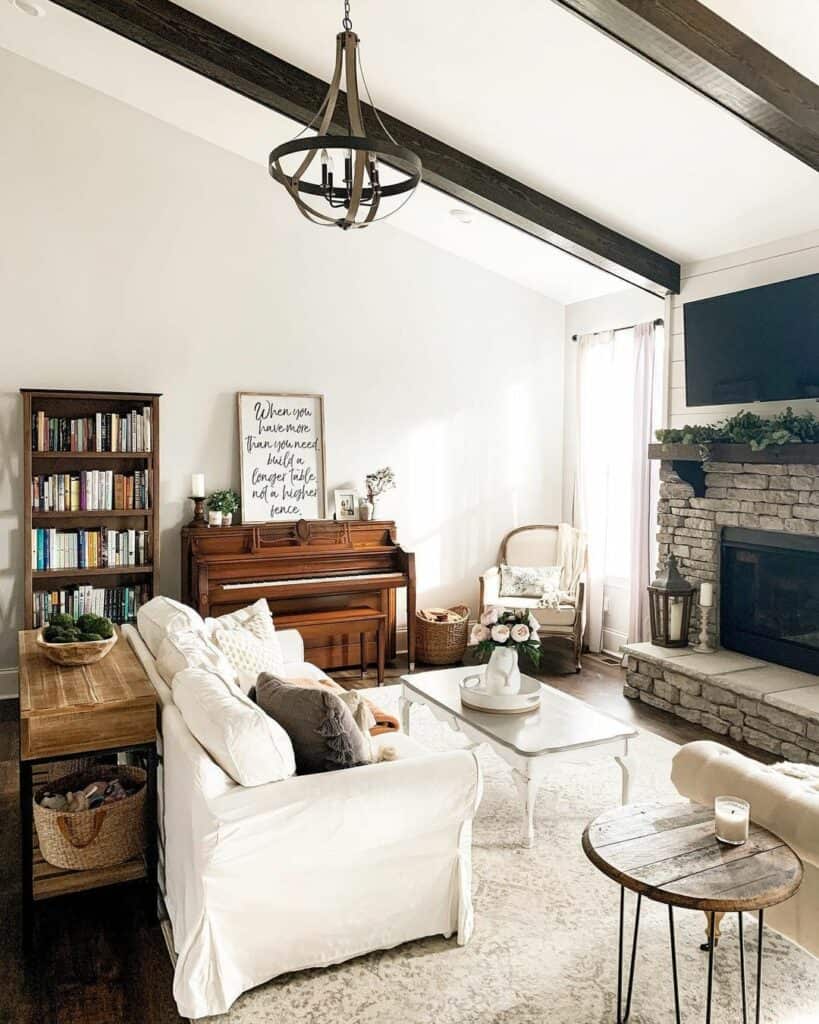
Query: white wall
<point x="778" y="261"/>
<point x="134" y="256"/>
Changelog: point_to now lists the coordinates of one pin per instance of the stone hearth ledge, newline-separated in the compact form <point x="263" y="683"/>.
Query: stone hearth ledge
<point x="766" y="705"/>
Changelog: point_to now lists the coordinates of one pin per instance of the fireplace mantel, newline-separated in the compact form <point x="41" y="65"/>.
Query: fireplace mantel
<point x="782" y="454"/>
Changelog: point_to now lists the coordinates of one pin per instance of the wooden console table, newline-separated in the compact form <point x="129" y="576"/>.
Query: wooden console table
<point x="88" y="710"/>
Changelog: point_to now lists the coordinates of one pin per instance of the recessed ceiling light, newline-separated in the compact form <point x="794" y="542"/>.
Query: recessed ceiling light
<point x="26" y="7"/>
<point x="461" y="215"/>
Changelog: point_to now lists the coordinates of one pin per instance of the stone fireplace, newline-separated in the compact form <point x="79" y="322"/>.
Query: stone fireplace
<point x="752" y="529"/>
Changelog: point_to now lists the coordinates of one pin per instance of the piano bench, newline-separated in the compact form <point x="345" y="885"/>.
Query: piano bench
<point x="322" y="624"/>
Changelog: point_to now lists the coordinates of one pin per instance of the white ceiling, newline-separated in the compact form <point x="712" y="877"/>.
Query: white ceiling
<point x="520" y="84"/>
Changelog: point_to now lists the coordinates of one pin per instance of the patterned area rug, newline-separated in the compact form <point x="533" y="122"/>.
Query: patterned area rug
<point x="545" y="942"/>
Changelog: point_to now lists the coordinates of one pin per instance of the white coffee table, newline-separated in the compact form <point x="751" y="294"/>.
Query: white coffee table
<point x="560" y="727"/>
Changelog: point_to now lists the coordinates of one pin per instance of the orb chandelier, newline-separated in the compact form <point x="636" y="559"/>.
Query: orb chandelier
<point x="362" y="182"/>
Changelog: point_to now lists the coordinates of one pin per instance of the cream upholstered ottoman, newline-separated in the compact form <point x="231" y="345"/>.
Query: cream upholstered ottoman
<point x="787" y="806"/>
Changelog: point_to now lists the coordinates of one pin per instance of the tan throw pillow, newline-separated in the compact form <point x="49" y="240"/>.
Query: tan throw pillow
<point x="248" y="655"/>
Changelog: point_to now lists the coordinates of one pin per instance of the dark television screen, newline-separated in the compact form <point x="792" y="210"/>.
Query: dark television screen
<point x="758" y="345"/>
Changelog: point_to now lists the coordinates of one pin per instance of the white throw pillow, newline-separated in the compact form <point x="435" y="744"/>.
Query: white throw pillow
<point x="528" y="581"/>
<point x="245" y="742"/>
<point x="160" y="616"/>
<point x="188" y="649"/>
<point x="248" y="655"/>
<point x="256" y="618"/>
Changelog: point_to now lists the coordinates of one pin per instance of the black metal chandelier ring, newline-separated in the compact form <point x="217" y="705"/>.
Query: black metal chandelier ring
<point x="390" y="153"/>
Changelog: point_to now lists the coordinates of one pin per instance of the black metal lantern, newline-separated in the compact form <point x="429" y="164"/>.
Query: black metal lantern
<point x="670" y="599"/>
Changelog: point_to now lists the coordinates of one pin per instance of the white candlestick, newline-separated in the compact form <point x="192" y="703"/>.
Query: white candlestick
<point x="731" y="819"/>
<point x="198" y="485"/>
<point x="675" y="610"/>
<point x="706" y="595"/>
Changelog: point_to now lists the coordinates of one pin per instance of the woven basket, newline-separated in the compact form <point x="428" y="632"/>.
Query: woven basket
<point x="441" y="643"/>
<point x="110" y="834"/>
<point x="81" y="652"/>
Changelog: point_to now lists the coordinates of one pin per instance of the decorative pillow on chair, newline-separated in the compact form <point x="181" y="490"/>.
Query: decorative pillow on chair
<point x="321" y="727"/>
<point x="528" y="581"/>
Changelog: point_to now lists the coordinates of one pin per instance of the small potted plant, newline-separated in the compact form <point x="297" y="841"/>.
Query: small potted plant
<point x="221" y="506"/>
<point x="376" y="484"/>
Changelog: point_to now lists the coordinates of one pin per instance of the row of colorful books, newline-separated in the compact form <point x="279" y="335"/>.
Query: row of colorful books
<point x="102" y="432"/>
<point x="92" y="490"/>
<point x="119" y="604"/>
<point x="88" y="549"/>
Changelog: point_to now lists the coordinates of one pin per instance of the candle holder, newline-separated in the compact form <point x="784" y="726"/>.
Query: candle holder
<point x="200" y="520"/>
<point x="702" y="646"/>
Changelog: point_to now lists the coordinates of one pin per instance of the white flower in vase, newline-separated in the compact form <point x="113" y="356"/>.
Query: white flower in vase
<point x="479" y="633"/>
<point x="489" y="617"/>
<point x="500" y="633"/>
<point x="520" y="633"/>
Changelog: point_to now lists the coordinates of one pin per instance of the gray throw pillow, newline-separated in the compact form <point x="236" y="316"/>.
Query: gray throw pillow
<point x="321" y="727"/>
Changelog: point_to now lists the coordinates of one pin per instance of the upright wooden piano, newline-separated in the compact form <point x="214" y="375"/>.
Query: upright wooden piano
<point x="303" y="566"/>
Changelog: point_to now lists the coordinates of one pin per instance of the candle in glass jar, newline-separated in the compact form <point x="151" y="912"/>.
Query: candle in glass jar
<point x="731" y="819"/>
<point x="706" y="594"/>
<point x="198" y="485"/>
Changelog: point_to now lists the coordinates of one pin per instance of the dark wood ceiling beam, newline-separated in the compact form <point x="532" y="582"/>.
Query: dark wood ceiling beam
<point x="689" y="41"/>
<point x="197" y="44"/>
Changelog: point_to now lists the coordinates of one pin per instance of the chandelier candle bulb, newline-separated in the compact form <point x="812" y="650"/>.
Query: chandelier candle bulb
<point x="732" y="818"/>
<point x="706" y="595"/>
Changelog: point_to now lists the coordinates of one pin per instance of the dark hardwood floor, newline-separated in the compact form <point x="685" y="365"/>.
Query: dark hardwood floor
<point x="100" y="961"/>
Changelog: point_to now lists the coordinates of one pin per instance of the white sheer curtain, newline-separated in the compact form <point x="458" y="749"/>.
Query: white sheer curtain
<point x="616" y="385"/>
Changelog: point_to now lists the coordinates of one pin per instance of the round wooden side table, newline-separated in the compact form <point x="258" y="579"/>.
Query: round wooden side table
<point x="669" y="853"/>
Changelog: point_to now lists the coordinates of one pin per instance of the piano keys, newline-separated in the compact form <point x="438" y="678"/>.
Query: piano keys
<point x="304" y="566"/>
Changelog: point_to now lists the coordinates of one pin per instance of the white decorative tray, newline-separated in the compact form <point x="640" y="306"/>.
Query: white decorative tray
<point x="527" y="699"/>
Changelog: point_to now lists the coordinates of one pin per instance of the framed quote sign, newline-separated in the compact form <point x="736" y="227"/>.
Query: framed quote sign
<point x="281" y="439"/>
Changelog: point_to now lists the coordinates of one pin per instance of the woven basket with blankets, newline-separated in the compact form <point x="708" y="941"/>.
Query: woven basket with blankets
<point x="441" y="634"/>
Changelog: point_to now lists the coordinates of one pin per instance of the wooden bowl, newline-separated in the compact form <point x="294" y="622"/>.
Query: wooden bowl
<point x="82" y="652"/>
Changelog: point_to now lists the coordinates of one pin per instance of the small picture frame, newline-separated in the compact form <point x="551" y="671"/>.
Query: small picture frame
<point x="346" y="504"/>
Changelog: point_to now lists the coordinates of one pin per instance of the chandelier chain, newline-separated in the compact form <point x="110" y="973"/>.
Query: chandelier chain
<point x="346" y="21"/>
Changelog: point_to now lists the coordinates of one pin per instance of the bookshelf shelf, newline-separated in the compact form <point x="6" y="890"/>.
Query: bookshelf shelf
<point x="108" y="570"/>
<point x="84" y="406"/>
<point x="111" y="513"/>
<point x="92" y="456"/>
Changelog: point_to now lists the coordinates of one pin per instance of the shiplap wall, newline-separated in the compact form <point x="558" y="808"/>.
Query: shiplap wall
<point x="777" y="261"/>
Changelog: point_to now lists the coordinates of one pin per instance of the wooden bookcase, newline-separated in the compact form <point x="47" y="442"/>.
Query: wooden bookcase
<point x="75" y="404"/>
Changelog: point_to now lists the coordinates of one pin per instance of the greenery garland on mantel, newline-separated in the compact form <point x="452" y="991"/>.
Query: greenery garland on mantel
<point x="758" y="433"/>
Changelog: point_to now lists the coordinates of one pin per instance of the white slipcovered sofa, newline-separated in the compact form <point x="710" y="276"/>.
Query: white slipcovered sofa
<point x="308" y="871"/>
<point x="788" y="806"/>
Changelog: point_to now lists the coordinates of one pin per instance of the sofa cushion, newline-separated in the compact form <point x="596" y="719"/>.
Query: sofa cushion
<point x="528" y="581"/>
<point x="248" y="655"/>
<point x="321" y="727"/>
<point x="188" y="649"/>
<point x="245" y="742"/>
<point x="161" y="616"/>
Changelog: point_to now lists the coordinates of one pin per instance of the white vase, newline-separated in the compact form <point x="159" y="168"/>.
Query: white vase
<point x="502" y="672"/>
<point x="214" y="518"/>
<point x="365" y="511"/>
<point x="227" y="518"/>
